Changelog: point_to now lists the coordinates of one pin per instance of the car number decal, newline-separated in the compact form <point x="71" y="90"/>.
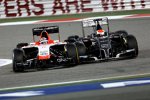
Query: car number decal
<point x="43" y="50"/>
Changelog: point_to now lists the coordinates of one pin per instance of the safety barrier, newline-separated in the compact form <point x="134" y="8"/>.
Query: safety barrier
<point x="28" y="8"/>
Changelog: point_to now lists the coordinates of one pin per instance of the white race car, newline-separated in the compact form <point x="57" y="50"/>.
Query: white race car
<point x="45" y="52"/>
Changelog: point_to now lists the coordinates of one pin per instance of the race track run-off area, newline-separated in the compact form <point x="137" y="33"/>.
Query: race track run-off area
<point x="4" y="62"/>
<point x="129" y="78"/>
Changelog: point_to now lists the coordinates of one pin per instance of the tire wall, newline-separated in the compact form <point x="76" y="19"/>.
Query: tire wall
<point x="29" y="8"/>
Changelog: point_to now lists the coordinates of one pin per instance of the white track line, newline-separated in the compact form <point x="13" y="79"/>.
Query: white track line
<point x="18" y="23"/>
<point x="72" y="82"/>
<point x="41" y="21"/>
<point x="124" y="83"/>
<point x="49" y="21"/>
<point x="4" y="62"/>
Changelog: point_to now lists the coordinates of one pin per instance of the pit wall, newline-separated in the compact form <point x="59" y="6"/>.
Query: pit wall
<point x="29" y="8"/>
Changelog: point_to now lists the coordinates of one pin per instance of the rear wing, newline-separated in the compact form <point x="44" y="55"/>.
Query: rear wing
<point x="50" y="29"/>
<point x="90" y="22"/>
<point x="94" y="22"/>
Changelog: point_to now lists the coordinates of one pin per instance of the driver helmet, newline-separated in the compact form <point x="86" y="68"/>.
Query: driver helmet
<point x="43" y="40"/>
<point x="100" y="32"/>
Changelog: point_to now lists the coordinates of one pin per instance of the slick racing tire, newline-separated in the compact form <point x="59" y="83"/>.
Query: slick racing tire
<point x="20" y="45"/>
<point x="122" y="32"/>
<point x="132" y="44"/>
<point x="72" y="52"/>
<point x="80" y="48"/>
<point x="18" y="58"/>
<point x="73" y="37"/>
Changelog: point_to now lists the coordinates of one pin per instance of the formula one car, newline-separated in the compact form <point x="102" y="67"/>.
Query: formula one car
<point x="99" y="45"/>
<point x="44" y="52"/>
<point x="102" y="44"/>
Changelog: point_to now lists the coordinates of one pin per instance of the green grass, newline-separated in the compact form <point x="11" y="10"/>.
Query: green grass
<point x="85" y="15"/>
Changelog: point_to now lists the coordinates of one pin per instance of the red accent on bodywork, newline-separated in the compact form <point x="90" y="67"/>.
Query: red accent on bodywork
<point x="50" y="41"/>
<point x="44" y="57"/>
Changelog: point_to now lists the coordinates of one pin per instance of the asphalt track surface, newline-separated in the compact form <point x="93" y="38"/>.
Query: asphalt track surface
<point x="11" y="35"/>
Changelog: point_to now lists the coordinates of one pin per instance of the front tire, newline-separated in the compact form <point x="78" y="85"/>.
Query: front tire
<point x="18" y="60"/>
<point x="132" y="44"/>
<point x="80" y="48"/>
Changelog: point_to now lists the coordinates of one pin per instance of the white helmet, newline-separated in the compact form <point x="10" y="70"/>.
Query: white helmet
<point x="43" y="40"/>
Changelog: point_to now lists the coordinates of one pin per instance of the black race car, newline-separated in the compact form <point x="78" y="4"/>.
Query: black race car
<point x="103" y="44"/>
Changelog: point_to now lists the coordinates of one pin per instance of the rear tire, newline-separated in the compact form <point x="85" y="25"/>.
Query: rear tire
<point x="73" y="37"/>
<point x="20" y="45"/>
<point x="122" y="32"/>
<point x="72" y="52"/>
<point x="18" y="58"/>
<point x="132" y="44"/>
